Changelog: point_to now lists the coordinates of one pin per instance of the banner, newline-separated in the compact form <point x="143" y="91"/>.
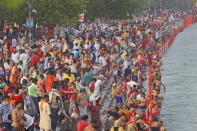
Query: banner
<point x="195" y="5"/>
<point x="29" y="22"/>
<point x="81" y="17"/>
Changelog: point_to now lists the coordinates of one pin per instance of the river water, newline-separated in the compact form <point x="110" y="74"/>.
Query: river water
<point x="179" y="108"/>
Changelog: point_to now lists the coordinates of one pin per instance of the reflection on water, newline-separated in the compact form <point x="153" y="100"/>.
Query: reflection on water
<point x="180" y="76"/>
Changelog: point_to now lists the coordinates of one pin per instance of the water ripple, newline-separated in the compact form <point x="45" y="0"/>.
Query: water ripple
<point x="180" y="76"/>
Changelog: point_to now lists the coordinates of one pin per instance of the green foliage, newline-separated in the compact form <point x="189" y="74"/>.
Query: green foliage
<point x="182" y="4"/>
<point x="119" y="9"/>
<point x="12" y="4"/>
<point x="66" y="12"/>
<point x="63" y="12"/>
<point x="114" y="8"/>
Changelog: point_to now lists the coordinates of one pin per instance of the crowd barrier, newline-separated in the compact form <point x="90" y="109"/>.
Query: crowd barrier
<point x="188" y="21"/>
<point x="162" y="50"/>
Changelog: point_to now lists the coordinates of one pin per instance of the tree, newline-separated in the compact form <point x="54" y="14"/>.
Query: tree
<point x="63" y="12"/>
<point x="11" y="3"/>
<point x="114" y="9"/>
<point x="182" y="4"/>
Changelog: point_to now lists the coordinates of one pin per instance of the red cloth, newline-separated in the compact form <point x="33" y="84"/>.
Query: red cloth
<point x="132" y="114"/>
<point x="34" y="60"/>
<point x="155" y="112"/>
<point x="124" y="87"/>
<point x="144" y="44"/>
<point x="81" y="125"/>
<point x="40" y="54"/>
<point x="115" y="42"/>
<point x="134" y="32"/>
<point x="17" y="98"/>
<point x="132" y="91"/>
<point x="49" y="81"/>
<point x="71" y="95"/>
<point x="74" y="58"/>
<point x="135" y="55"/>
<point x="63" y="94"/>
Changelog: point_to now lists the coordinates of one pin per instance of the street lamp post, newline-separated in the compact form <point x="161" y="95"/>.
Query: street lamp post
<point x="160" y="7"/>
<point x="149" y="7"/>
<point x="30" y="17"/>
<point x="30" y="26"/>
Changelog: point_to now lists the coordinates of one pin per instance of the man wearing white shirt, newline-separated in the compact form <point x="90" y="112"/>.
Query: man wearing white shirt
<point x="1" y="42"/>
<point x="98" y="85"/>
<point x="24" y="78"/>
<point x="15" y="57"/>
<point x="23" y="57"/>
<point x="86" y="46"/>
<point x="103" y="64"/>
<point x="14" y="43"/>
<point x="97" y="47"/>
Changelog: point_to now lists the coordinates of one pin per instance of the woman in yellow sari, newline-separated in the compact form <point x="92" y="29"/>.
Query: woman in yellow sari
<point x="85" y="60"/>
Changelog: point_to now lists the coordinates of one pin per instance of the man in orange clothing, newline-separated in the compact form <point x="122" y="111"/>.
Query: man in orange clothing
<point x="49" y="81"/>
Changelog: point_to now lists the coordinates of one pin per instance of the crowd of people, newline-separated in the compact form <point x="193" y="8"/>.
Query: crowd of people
<point x="57" y="85"/>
